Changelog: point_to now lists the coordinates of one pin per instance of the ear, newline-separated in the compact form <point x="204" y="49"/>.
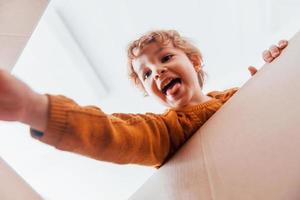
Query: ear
<point x="197" y="62"/>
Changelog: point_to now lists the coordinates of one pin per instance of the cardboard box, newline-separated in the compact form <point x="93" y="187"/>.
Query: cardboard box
<point x="13" y="187"/>
<point x="18" y="19"/>
<point x="249" y="149"/>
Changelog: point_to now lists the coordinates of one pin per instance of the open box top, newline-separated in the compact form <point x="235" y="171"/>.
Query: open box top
<point x="249" y="149"/>
<point x="18" y="19"/>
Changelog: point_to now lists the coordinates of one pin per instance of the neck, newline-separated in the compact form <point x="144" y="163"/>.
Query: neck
<point x="199" y="98"/>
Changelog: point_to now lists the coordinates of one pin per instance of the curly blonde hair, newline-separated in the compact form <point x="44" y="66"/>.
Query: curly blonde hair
<point x="163" y="38"/>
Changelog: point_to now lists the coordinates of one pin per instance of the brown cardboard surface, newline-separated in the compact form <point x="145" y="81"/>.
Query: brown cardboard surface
<point x="249" y="149"/>
<point x="18" y="19"/>
<point x="10" y="49"/>
<point x="12" y="187"/>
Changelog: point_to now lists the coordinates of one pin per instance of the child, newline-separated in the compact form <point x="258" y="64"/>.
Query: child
<point x="162" y="64"/>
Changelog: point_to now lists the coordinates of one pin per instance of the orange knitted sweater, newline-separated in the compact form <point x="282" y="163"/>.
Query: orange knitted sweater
<point x="145" y="139"/>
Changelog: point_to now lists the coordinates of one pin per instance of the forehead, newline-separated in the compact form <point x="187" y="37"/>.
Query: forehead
<point x="147" y="53"/>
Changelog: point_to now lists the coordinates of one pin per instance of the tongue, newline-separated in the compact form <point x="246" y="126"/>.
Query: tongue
<point x="173" y="89"/>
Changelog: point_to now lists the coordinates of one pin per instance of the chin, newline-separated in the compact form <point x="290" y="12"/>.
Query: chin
<point x="181" y="102"/>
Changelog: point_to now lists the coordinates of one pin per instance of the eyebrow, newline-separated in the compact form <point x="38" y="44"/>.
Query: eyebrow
<point x="142" y="66"/>
<point x="159" y="50"/>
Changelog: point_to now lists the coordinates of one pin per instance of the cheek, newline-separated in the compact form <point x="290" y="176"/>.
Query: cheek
<point x="151" y="88"/>
<point x="189" y="71"/>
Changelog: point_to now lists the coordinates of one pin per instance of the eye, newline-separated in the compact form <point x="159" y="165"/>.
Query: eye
<point x="146" y="74"/>
<point x="166" y="58"/>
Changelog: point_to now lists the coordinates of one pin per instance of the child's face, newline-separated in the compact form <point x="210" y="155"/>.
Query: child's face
<point x="168" y="74"/>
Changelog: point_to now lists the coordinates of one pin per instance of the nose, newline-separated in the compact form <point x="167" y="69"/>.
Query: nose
<point x="159" y="72"/>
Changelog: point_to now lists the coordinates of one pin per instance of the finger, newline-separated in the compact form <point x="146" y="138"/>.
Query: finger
<point x="282" y="44"/>
<point x="267" y="56"/>
<point x="252" y="70"/>
<point x="274" y="51"/>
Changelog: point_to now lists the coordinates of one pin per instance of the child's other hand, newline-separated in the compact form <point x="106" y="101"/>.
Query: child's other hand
<point x="274" y="51"/>
<point x="252" y="70"/>
<point x="270" y="54"/>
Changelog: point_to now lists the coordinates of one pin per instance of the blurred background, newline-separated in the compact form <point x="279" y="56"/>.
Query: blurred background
<point x="79" y="50"/>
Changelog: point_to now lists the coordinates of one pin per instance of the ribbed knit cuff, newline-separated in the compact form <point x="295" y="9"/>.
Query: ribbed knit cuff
<point x="57" y="120"/>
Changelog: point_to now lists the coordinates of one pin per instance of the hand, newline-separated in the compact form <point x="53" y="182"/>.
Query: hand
<point x="270" y="54"/>
<point x="18" y="102"/>
<point x="274" y="51"/>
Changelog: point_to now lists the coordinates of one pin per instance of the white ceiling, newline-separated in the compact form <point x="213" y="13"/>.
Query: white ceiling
<point x="79" y="49"/>
<point x="228" y="32"/>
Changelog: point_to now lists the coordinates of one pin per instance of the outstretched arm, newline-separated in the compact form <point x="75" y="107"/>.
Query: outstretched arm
<point x="144" y="139"/>
<point x="18" y="102"/>
<point x="270" y="54"/>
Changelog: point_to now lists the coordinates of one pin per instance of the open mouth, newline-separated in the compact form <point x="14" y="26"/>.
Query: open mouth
<point x="170" y="85"/>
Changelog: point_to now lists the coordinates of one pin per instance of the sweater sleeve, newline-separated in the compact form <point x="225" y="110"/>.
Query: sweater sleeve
<point x="223" y="95"/>
<point x="143" y="139"/>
